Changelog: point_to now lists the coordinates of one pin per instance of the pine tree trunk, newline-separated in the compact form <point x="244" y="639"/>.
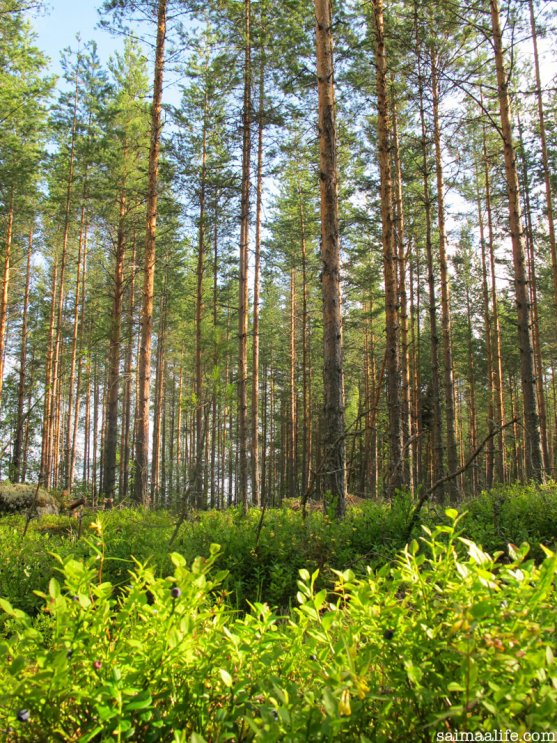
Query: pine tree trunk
<point x="395" y="477"/>
<point x="144" y="370"/>
<point x="406" y="414"/>
<point x="20" y="420"/>
<point x="111" y="441"/>
<point x="46" y="437"/>
<point x="333" y="434"/>
<point x="544" y="152"/>
<point x="489" y="351"/>
<point x="534" y="462"/>
<point x="199" y="308"/>
<point x="435" y="389"/>
<point x="255" y="457"/>
<point x="450" y="421"/>
<point x="307" y="437"/>
<point x="158" y="407"/>
<point x="533" y="284"/>
<point x="69" y="454"/>
<point x="126" y="412"/>
<point x="292" y="395"/>
<point x="5" y="288"/>
<point x="243" y="299"/>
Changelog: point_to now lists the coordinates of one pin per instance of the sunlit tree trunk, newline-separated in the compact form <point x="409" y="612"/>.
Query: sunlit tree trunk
<point x="544" y="152"/>
<point x="255" y="455"/>
<point x="406" y="423"/>
<point x="243" y="298"/>
<point x="333" y="434"/>
<point x="488" y="346"/>
<point x="395" y="478"/>
<point x="450" y="420"/>
<point x="21" y="388"/>
<point x="70" y="438"/>
<point x="534" y="462"/>
<point x="5" y="287"/>
<point x="144" y="366"/>
<point x="291" y="447"/>
<point x="111" y="440"/>
<point x="435" y="389"/>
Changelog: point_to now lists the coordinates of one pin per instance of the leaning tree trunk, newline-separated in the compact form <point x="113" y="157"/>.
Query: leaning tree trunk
<point x="534" y="462"/>
<point x="333" y="434"/>
<point x="144" y="370"/>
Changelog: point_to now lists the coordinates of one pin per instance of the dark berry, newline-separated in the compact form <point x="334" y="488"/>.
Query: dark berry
<point x="175" y="592"/>
<point x="313" y="657"/>
<point x="23" y="715"/>
<point x="75" y="598"/>
<point x="388" y="634"/>
<point x="97" y="665"/>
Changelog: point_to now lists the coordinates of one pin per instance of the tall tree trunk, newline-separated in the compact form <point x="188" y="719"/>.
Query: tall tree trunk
<point x="489" y="350"/>
<point x="255" y="463"/>
<point x="533" y="282"/>
<point x="292" y="395"/>
<point x="395" y="477"/>
<point x="199" y="308"/>
<point x="307" y="437"/>
<point x="6" y="287"/>
<point x="435" y="389"/>
<point x="144" y="371"/>
<point x="333" y="433"/>
<point x="158" y="409"/>
<point x="20" y="420"/>
<point x="534" y="462"/>
<point x="46" y="437"/>
<point x="450" y="421"/>
<point x="69" y="454"/>
<point x="545" y="158"/>
<point x="126" y="412"/>
<point x="243" y="299"/>
<point x="111" y="440"/>
<point x="499" y="409"/>
<point x="56" y="376"/>
<point x="406" y="415"/>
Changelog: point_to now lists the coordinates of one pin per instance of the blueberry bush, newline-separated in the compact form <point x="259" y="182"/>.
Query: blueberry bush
<point x="445" y="637"/>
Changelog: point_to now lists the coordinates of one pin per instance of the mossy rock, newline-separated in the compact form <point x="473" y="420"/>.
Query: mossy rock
<point x="20" y="498"/>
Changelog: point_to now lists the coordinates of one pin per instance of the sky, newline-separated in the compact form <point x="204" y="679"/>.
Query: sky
<point x="58" y="26"/>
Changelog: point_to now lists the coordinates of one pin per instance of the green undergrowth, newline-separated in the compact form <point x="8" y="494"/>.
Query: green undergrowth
<point x="371" y="534"/>
<point x="445" y="637"/>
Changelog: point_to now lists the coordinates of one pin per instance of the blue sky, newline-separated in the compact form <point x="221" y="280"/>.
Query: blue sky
<point x="58" y="26"/>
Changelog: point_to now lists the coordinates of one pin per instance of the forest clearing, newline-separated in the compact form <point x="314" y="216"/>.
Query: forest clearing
<point x="278" y="349"/>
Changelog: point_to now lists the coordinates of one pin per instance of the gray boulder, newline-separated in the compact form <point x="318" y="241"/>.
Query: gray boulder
<point x="20" y="498"/>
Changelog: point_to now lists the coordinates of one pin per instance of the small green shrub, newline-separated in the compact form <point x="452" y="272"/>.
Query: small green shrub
<point x="445" y="638"/>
